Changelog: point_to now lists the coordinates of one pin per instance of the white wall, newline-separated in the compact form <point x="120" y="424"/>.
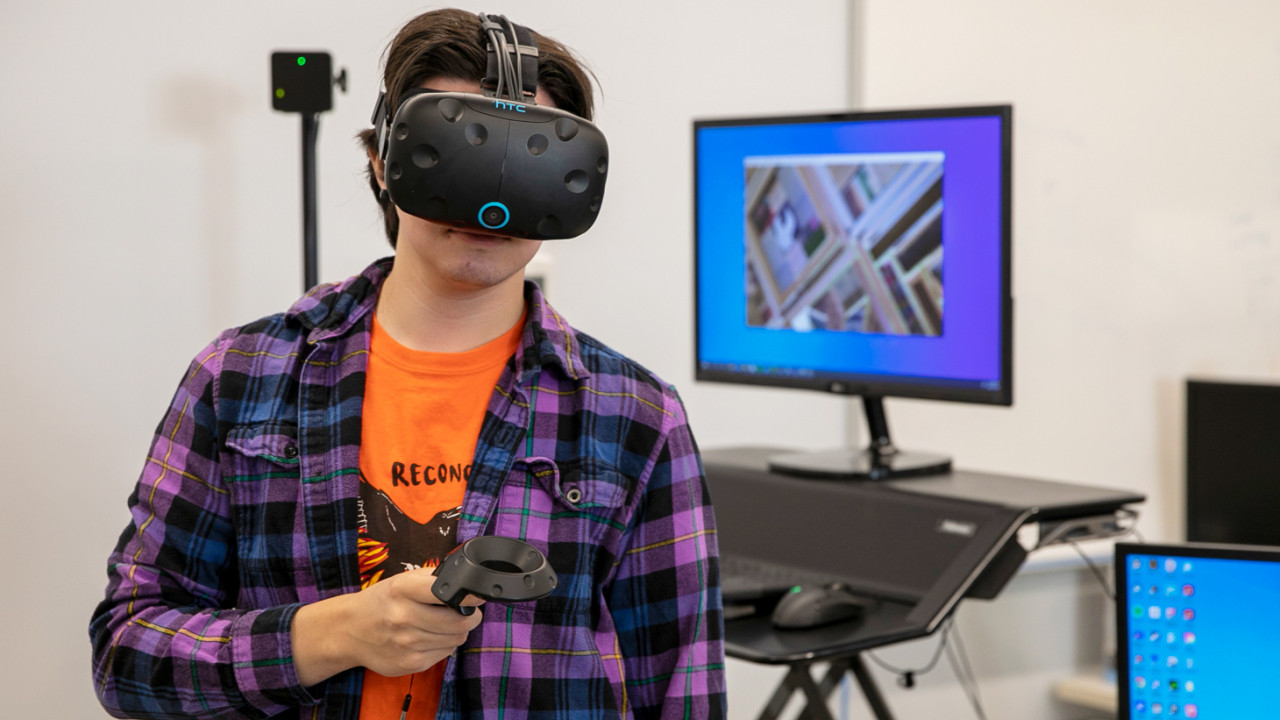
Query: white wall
<point x="1146" y="218"/>
<point x="1146" y="249"/>
<point x="149" y="197"/>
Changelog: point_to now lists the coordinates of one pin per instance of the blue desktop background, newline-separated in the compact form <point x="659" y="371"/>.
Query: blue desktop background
<point x="969" y="351"/>
<point x="1236" y="648"/>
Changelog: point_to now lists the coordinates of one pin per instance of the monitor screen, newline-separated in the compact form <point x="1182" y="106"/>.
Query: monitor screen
<point x="1233" y="462"/>
<point x="1197" y="631"/>
<point x="864" y="253"/>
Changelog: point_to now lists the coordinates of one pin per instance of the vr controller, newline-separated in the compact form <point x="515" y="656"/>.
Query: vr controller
<point x="494" y="163"/>
<point x="494" y="568"/>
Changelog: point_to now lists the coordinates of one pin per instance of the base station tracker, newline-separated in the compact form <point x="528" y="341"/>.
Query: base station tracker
<point x="494" y="568"/>
<point x="497" y="162"/>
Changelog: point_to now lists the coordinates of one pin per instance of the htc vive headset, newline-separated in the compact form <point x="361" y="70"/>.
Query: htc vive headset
<point x="495" y="163"/>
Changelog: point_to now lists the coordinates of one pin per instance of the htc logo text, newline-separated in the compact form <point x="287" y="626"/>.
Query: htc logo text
<point x="508" y="106"/>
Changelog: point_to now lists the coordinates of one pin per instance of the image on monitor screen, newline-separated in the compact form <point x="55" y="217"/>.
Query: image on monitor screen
<point x="860" y="253"/>
<point x="845" y="243"/>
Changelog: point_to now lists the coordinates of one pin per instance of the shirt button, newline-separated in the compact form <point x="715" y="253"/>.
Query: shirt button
<point x="573" y="495"/>
<point x="291" y="451"/>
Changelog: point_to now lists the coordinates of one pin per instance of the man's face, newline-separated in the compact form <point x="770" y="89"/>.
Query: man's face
<point x="454" y="259"/>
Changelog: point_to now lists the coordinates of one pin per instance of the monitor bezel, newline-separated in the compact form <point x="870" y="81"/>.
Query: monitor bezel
<point x="1214" y="551"/>
<point x="926" y="388"/>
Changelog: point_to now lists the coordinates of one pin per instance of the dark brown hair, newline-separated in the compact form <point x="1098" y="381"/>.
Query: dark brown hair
<point x="450" y="44"/>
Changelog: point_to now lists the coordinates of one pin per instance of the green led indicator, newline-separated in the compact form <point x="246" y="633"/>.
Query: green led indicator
<point x="280" y="93"/>
<point x="301" y="61"/>
<point x="795" y="589"/>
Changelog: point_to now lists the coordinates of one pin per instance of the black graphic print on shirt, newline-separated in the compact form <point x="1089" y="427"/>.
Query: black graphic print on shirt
<point x="391" y="542"/>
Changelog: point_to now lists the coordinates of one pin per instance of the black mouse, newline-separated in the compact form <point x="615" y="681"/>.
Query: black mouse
<point x="817" y="605"/>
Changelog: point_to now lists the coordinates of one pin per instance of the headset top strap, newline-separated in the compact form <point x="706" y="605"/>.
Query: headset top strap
<point x="528" y="56"/>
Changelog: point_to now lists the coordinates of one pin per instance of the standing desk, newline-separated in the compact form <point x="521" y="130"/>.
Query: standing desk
<point x="919" y="545"/>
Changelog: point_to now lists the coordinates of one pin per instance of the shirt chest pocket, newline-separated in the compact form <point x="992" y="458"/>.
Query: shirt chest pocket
<point x="262" y="470"/>
<point x="575" y="512"/>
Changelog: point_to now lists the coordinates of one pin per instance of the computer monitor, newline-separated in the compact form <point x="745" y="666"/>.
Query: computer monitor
<point x="1197" y="630"/>
<point x="860" y="253"/>
<point x="1233" y="462"/>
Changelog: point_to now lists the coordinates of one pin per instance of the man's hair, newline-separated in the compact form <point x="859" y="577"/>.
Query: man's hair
<point x="451" y="44"/>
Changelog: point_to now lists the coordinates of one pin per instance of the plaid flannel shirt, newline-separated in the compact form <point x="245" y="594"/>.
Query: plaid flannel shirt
<point x="246" y="509"/>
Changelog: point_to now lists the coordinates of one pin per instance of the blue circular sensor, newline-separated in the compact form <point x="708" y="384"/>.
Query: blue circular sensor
<point x="494" y="215"/>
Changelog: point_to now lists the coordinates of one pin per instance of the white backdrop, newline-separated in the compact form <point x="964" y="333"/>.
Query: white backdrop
<point x="150" y="197"/>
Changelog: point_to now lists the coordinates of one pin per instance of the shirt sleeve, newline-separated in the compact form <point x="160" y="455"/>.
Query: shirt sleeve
<point x="665" y="597"/>
<point x="167" y="639"/>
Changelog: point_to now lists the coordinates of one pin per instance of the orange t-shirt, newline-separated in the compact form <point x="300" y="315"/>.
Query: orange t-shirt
<point x="422" y="416"/>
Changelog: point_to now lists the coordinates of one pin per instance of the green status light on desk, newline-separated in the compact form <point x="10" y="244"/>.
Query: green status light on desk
<point x="794" y="589"/>
<point x="280" y="93"/>
<point x="302" y="60"/>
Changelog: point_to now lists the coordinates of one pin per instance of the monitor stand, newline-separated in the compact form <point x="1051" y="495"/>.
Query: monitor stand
<point x="879" y="461"/>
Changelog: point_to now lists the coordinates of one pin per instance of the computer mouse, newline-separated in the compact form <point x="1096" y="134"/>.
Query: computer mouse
<point x="817" y="605"/>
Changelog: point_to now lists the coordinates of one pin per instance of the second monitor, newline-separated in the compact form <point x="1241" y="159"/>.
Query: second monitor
<point x="857" y="253"/>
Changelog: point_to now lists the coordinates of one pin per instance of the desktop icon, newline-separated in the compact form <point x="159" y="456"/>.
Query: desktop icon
<point x="1186" y="567"/>
<point x="1170" y="613"/>
<point x="1188" y="590"/>
<point x="1190" y="686"/>
<point x="1189" y="638"/>
<point x="1171" y="661"/>
<point x="1191" y="711"/>
<point x="1140" y="707"/>
<point x="1171" y="638"/>
<point x="1170" y="565"/>
<point x="1140" y="682"/>
<point x="1188" y="614"/>
<point x="1153" y="563"/>
<point x="1155" y="636"/>
<point x="1157" y="709"/>
<point x="1153" y="612"/>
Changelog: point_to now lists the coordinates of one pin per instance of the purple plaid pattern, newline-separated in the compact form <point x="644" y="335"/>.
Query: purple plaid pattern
<point x="246" y="508"/>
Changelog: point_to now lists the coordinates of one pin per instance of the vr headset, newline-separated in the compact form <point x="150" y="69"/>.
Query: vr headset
<point x="495" y="163"/>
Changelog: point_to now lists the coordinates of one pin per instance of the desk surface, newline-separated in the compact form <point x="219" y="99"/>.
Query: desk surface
<point x="1046" y="499"/>
<point x="837" y="525"/>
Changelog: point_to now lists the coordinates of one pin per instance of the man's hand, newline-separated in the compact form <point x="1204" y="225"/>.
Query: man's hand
<point x="394" y="627"/>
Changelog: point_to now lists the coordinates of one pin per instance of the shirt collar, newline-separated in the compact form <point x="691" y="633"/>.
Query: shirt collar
<point x="548" y="340"/>
<point x="333" y="309"/>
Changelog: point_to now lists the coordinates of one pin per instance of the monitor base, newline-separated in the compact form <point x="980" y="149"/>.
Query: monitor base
<point x="852" y="464"/>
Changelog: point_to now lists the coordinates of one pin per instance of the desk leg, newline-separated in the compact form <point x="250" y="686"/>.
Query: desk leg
<point x="799" y="678"/>
<point x="869" y="688"/>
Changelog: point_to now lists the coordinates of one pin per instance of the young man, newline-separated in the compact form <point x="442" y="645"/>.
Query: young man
<point x="315" y="465"/>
